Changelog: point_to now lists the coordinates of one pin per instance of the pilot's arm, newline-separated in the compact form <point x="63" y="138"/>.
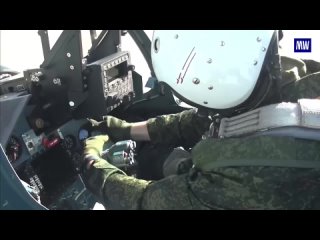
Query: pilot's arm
<point x="116" y="190"/>
<point x="184" y="128"/>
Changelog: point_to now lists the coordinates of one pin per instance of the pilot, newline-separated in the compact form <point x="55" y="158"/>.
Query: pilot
<point x="254" y="132"/>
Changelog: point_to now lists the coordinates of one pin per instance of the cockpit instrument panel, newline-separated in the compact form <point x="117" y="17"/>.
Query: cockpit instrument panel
<point x="110" y="82"/>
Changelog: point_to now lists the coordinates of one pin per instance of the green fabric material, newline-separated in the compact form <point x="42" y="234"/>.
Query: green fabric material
<point x="94" y="146"/>
<point x="292" y="69"/>
<point x="306" y="87"/>
<point x="182" y="129"/>
<point x="256" y="151"/>
<point x="97" y="175"/>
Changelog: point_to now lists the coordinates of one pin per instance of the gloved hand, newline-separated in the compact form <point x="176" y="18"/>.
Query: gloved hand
<point x="95" y="171"/>
<point x="93" y="147"/>
<point x="116" y="128"/>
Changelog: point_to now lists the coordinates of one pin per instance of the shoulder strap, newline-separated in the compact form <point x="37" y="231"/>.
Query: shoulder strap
<point x="304" y="115"/>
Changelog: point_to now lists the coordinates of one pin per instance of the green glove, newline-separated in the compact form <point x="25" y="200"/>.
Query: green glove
<point x="93" y="146"/>
<point x="96" y="170"/>
<point x="116" y="128"/>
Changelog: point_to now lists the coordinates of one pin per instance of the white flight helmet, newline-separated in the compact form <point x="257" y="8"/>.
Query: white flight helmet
<point x="213" y="69"/>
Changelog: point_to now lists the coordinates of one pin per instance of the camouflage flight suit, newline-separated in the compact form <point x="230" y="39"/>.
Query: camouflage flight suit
<point x="254" y="187"/>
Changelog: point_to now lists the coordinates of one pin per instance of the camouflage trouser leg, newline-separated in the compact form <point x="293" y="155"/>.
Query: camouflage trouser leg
<point x="170" y="193"/>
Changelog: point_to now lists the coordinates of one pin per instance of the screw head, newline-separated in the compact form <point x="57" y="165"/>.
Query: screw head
<point x="71" y="104"/>
<point x="72" y="67"/>
<point x="196" y="80"/>
<point x="68" y="54"/>
<point x="205" y="102"/>
<point x="209" y="60"/>
<point x="176" y="36"/>
<point x="56" y="81"/>
<point x="210" y="87"/>
<point x="259" y="39"/>
<point x="255" y="62"/>
<point x="264" y="49"/>
<point x="222" y="43"/>
<point x="39" y="124"/>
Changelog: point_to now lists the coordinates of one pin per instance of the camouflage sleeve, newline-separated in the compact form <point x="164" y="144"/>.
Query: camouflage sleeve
<point x="181" y="129"/>
<point x="116" y="191"/>
<point x="299" y="83"/>
<point x="306" y="87"/>
<point x="112" y="187"/>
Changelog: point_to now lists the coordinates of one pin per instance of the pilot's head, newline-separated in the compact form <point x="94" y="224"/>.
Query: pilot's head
<point x="228" y="71"/>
